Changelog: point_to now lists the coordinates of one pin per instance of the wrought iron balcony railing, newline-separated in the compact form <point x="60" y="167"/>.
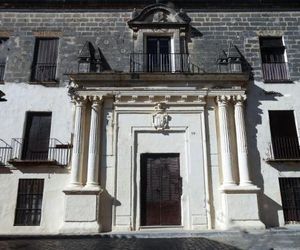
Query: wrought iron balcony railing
<point x="283" y="148"/>
<point x="57" y="153"/>
<point x="5" y="153"/>
<point x="171" y="62"/>
<point x="275" y="71"/>
<point x="43" y="72"/>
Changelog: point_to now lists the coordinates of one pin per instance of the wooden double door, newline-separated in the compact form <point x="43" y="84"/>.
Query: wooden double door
<point x="161" y="189"/>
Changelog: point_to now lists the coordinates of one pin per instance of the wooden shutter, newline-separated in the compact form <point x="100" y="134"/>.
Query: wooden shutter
<point x="45" y="57"/>
<point x="284" y="134"/>
<point x="36" y="141"/>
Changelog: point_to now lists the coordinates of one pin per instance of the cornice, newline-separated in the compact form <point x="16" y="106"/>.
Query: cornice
<point x="186" y="4"/>
<point x="125" y="80"/>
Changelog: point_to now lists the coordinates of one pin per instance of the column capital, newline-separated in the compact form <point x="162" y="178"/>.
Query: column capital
<point x="95" y="100"/>
<point x="223" y="100"/>
<point x="239" y="99"/>
<point x="80" y="100"/>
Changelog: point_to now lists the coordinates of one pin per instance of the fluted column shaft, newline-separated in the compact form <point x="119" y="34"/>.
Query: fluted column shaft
<point x="76" y="167"/>
<point x="94" y="141"/>
<point x="228" y="177"/>
<point x="241" y="138"/>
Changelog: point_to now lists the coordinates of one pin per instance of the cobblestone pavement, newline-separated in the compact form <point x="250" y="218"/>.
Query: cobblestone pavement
<point x="260" y="240"/>
<point x="114" y="243"/>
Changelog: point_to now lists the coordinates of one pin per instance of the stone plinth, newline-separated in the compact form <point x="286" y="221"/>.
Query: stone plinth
<point x="81" y="212"/>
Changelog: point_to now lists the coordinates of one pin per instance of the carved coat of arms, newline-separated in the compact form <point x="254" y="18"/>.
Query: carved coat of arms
<point x="161" y="118"/>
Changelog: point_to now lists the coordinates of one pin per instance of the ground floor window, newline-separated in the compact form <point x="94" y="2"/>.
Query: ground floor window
<point x="290" y="196"/>
<point x="29" y="202"/>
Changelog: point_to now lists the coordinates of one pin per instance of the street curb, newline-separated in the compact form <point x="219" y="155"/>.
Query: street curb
<point x="154" y="234"/>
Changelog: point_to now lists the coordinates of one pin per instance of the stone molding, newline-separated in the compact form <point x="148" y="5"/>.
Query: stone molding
<point x="47" y="33"/>
<point x="152" y="99"/>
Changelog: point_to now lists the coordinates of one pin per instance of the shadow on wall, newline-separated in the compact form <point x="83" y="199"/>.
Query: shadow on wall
<point x="268" y="208"/>
<point x="107" y="201"/>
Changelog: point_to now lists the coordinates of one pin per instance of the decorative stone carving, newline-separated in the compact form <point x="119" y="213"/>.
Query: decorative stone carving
<point x="158" y="16"/>
<point x="161" y="117"/>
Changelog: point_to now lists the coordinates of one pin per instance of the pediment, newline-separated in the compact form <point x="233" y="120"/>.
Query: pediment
<point x="158" y="16"/>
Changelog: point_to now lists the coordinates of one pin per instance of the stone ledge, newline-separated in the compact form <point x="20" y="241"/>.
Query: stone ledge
<point x="240" y="189"/>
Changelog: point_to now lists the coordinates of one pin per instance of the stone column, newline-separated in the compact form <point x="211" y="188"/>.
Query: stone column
<point x="228" y="178"/>
<point x="76" y="167"/>
<point x="94" y="145"/>
<point x="241" y="139"/>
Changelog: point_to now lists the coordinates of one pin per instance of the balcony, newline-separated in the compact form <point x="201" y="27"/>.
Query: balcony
<point x="57" y="154"/>
<point x="275" y="72"/>
<point x="2" y="69"/>
<point x="5" y="153"/>
<point x="283" y="149"/>
<point x="44" y="72"/>
<point x="171" y="62"/>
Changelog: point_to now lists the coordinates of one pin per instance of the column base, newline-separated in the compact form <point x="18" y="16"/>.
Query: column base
<point x="240" y="208"/>
<point x="81" y="215"/>
<point x="92" y="187"/>
<point x="73" y="187"/>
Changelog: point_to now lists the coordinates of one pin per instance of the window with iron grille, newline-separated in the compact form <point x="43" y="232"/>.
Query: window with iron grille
<point x="290" y="197"/>
<point x="29" y="202"/>
<point x="274" y="65"/>
<point x="3" y="55"/>
<point x="44" y="60"/>
<point x="285" y="141"/>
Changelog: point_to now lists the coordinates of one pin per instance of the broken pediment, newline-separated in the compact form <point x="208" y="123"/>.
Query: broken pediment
<point x="158" y="16"/>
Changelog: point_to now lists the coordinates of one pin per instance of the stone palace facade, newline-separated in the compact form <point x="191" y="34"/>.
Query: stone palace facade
<point x="127" y="116"/>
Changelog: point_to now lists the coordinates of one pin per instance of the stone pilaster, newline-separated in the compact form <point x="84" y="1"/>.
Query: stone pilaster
<point x="76" y="163"/>
<point x="241" y="139"/>
<point x="94" y="145"/>
<point x="227" y="166"/>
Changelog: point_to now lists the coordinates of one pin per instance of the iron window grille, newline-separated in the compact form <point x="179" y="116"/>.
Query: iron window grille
<point x="290" y="196"/>
<point x="274" y="65"/>
<point x="285" y="142"/>
<point x="29" y="202"/>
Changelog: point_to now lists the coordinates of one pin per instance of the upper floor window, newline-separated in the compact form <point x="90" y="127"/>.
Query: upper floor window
<point x="158" y="54"/>
<point x="274" y="65"/>
<point x="37" y="136"/>
<point x="3" y="52"/>
<point x="44" y="60"/>
<point x="160" y="40"/>
<point x="29" y="202"/>
<point x="285" y="141"/>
